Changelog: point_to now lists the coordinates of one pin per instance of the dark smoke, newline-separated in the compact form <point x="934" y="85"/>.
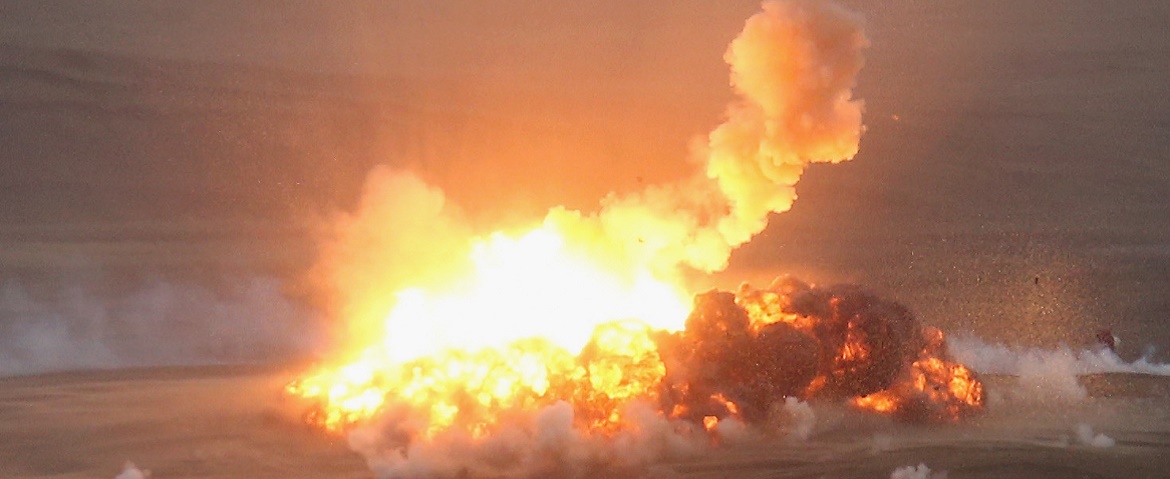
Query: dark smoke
<point x="837" y="342"/>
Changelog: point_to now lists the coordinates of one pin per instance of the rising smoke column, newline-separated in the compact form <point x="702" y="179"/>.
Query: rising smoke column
<point x="793" y="67"/>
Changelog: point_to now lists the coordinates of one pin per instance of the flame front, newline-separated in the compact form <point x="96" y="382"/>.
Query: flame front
<point x="533" y="323"/>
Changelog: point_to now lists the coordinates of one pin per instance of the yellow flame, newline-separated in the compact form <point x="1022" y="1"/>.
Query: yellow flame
<point x="508" y="336"/>
<point x="530" y="286"/>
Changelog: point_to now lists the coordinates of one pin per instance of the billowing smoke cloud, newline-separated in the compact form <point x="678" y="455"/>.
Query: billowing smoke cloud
<point x="159" y="323"/>
<point x="795" y="340"/>
<point x="794" y="67"/>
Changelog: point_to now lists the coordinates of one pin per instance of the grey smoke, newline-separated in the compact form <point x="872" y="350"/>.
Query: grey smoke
<point x="78" y="326"/>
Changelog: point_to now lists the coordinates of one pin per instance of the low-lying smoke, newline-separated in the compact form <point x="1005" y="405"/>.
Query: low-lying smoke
<point x="546" y="444"/>
<point x="1005" y="359"/>
<point x="159" y="323"/>
<point x="130" y="471"/>
<point x="1086" y="437"/>
<point x="917" y="472"/>
<point x="1048" y="374"/>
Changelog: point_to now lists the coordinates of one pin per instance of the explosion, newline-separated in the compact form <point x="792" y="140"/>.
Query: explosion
<point x="582" y="325"/>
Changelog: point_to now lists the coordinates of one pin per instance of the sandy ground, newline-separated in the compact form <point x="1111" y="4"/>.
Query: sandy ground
<point x="229" y="422"/>
<point x="191" y="422"/>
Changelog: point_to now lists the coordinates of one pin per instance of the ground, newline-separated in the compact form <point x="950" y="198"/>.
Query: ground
<point x="230" y="422"/>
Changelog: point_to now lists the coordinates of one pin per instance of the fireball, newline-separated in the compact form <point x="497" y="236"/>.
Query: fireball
<point x="533" y="323"/>
<point x="478" y="337"/>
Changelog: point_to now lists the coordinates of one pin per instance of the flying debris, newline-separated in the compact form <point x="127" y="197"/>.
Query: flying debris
<point x="1107" y="340"/>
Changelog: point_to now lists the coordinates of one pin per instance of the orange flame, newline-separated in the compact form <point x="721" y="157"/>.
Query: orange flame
<point x="932" y="389"/>
<point x="587" y="308"/>
<point x="561" y="328"/>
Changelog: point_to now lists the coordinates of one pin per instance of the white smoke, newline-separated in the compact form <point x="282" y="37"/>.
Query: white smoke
<point x="802" y="418"/>
<point x="159" y="323"/>
<point x="543" y="445"/>
<point x="130" y="471"/>
<point x="1003" y="359"/>
<point x="1047" y="374"/>
<point x="732" y="430"/>
<point x="917" y="472"/>
<point x="1086" y="436"/>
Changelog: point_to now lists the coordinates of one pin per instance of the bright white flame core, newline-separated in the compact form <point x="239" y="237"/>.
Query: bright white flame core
<point x="526" y="287"/>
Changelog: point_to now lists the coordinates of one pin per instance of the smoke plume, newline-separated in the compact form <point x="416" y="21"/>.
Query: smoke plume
<point x="793" y="67"/>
